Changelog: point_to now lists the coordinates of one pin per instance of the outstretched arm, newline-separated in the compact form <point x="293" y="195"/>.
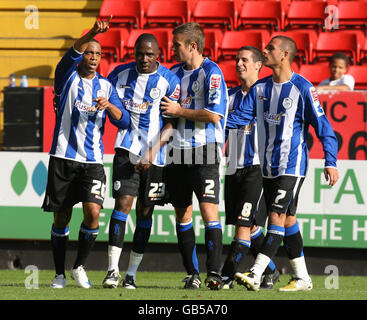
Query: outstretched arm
<point x="100" y="26"/>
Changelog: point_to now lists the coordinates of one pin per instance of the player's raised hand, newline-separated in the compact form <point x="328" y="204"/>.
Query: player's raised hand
<point x="101" y="26"/>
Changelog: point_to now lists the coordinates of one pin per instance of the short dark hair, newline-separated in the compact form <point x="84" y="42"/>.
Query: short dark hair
<point x="288" y="44"/>
<point x="146" y="37"/>
<point x="341" y="56"/>
<point x="193" y="32"/>
<point x="256" y="53"/>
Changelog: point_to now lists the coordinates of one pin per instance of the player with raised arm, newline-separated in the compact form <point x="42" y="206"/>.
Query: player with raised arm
<point x="243" y="196"/>
<point x="75" y="171"/>
<point x="196" y="144"/>
<point x="141" y="85"/>
<point x="284" y="105"/>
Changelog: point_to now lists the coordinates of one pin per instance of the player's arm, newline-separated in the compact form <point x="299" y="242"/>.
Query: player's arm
<point x="116" y="112"/>
<point x="173" y="108"/>
<point x="315" y="115"/>
<point x="73" y="56"/>
<point x="166" y="133"/>
<point x="245" y="113"/>
<point x="100" y="26"/>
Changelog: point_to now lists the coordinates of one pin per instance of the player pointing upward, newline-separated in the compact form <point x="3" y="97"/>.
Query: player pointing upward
<point x="75" y="173"/>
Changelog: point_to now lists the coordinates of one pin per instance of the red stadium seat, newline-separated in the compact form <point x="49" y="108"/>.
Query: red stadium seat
<point x="260" y="13"/>
<point x="233" y="40"/>
<point x="349" y="42"/>
<point x="315" y="73"/>
<point x="360" y="76"/>
<point x="216" y="14"/>
<point x="352" y="14"/>
<point x="228" y="68"/>
<point x="164" y="38"/>
<point x="213" y="41"/>
<point x="305" y="40"/>
<point x="305" y="14"/>
<point x="124" y="13"/>
<point x="165" y="13"/>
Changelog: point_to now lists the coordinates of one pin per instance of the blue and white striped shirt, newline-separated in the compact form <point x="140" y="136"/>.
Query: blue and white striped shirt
<point x="141" y="94"/>
<point x="79" y="125"/>
<point x="242" y="143"/>
<point x="284" y="112"/>
<point x="202" y="88"/>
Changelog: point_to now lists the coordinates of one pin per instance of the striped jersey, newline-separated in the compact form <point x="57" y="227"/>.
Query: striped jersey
<point x="202" y="88"/>
<point x="141" y="94"/>
<point x="283" y="113"/>
<point x="242" y="144"/>
<point x="79" y="125"/>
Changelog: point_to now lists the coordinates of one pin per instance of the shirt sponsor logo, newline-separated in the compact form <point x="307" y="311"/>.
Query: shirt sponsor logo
<point x="85" y="108"/>
<point x="215" y="80"/>
<point x="214" y="96"/>
<point x="176" y="93"/>
<point x="316" y="102"/>
<point x="273" y="119"/>
<point x="132" y="106"/>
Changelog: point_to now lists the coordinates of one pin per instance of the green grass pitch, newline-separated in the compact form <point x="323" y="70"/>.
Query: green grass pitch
<point x="168" y="286"/>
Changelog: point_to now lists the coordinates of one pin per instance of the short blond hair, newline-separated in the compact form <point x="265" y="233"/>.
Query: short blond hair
<point x="193" y="32"/>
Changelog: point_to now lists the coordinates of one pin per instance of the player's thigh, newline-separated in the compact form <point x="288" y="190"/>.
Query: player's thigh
<point x="281" y="193"/>
<point x="62" y="185"/>
<point x="93" y="184"/>
<point x="125" y="178"/>
<point x="152" y="188"/>
<point x="179" y="185"/>
<point x="249" y="192"/>
<point x="206" y="183"/>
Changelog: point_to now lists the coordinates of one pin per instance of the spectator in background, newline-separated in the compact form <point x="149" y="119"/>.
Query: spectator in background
<point x="338" y="79"/>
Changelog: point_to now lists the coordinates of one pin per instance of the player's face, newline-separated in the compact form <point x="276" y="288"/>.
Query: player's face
<point x="146" y="55"/>
<point x="273" y="53"/>
<point x="180" y="49"/>
<point x="338" y="67"/>
<point x="245" y="66"/>
<point x="91" y="57"/>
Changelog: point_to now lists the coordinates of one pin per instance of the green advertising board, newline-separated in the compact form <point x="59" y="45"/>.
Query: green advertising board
<point x="328" y="217"/>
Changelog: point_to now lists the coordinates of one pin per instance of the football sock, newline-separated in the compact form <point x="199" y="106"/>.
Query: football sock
<point x="239" y="249"/>
<point x="187" y="246"/>
<point x="213" y="245"/>
<point x="59" y="239"/>
<point x="134" y="262"/>
<point x="293" y="244"/>
<point x="86" y="240"/>
<point x="140" y="241"/>
<point x="141" y="235"/>
<point x="117" y="227"/>
<point x="116" y="237"/>
<point x="257" y="240"/>
<point x="293" y="241"/>
<point x="272" y="241"/>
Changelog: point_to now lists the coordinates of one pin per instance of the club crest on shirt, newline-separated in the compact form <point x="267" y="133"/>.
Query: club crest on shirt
<point x="155" y="93"/>
<point x="195" y="86"/>
<point x="287" y="103"/>
<point x="101" y="93"/>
